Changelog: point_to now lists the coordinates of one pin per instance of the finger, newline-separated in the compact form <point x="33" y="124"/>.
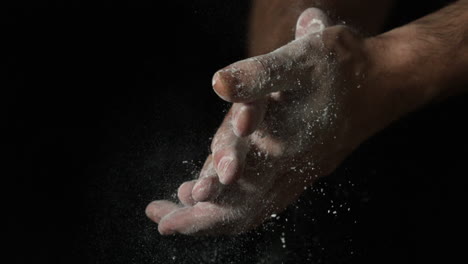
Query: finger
<point x="207" y="167"/>
<point x="185" y="193"/>
<point x="158" y="209"/>
<point x="229" y="152"/>
<point x="312" y="20"/>
<point x="248" y="116"/>
<point x="281" y="70"/>
<point x="202" y="218"/>
<point x="208" y="187"/>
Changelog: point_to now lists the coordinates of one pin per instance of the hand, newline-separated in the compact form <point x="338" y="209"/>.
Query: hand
<point x="298" y="112"/>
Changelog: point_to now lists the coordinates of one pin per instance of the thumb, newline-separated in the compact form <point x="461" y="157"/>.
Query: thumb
<point x="245" y="81"/>
<point x="254" y="78"/>
<point x="312" y="20"/>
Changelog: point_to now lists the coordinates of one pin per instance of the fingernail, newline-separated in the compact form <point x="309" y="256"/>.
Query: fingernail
<point x="219" y="87"/>
<point x="149" y="211"/>
<point x="215" y="79"/>
<point x="235" y="123"/>
<point x="167" y="232"/>
<point x="236" y="130"/>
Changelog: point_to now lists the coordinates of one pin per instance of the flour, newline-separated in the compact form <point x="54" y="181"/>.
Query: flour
<point x="317" y="24"/>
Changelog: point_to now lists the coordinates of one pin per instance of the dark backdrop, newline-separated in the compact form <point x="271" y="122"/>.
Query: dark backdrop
<point x="110" y="109"/>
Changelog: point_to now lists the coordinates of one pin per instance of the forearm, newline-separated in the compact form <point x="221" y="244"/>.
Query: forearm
<point x="424" y="61"/>
<point x="272" y="22"/>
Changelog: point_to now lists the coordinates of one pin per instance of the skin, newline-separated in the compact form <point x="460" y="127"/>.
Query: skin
<point x="301" y="109"/>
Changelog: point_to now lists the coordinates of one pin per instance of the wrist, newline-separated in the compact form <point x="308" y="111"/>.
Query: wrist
<point x="408" y="70"/>
<point x="418" y="64"/>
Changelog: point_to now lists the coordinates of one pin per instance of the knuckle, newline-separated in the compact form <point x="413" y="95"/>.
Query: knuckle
<point x="340" y="39"/>
<point x="346" y="48"/>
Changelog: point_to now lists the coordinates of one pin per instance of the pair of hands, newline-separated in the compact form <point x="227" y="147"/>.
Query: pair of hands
<point x="298" y="112"/>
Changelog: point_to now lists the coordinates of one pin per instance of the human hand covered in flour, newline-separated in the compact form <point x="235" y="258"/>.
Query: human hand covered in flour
<point x="298" y="112"/>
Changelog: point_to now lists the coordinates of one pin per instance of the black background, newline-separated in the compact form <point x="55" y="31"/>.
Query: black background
<point x="103" y="106"/>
